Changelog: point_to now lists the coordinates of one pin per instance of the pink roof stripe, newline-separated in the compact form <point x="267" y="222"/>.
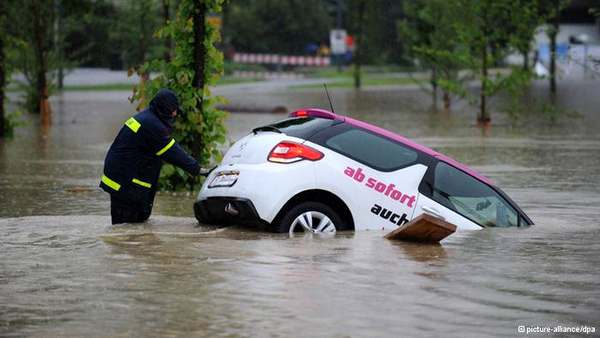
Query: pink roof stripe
<point x="396" y="137"/>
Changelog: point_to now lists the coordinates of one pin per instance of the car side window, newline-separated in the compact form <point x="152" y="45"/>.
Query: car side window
<point x="471" y="198"/>
<point x="373" y="150"/>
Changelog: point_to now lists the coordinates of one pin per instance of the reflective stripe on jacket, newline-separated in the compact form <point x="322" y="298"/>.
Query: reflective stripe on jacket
<point x="134" y="160"/>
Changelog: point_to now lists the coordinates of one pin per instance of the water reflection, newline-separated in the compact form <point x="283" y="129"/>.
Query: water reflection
<point x="419" y="252"/>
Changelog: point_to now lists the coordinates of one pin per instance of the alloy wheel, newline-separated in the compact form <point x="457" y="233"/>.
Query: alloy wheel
<point x="313" y="222"/>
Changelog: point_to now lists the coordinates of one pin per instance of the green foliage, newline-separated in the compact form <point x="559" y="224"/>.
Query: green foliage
<point x="31" y="45"/>
<point x="514" y="85"/>
<point x="111" y="34"/>
<point x="132" y="37"/>
<point x="430" y="36"/>
<point x="428" y="32"/>
<point x="12" y="121"/>
<point x="524" y="22"/>
<point x="199" y="129"/>
<point x="276" y="26"/>
<point x="475" y="35"/>
<point x="380" y="40"/>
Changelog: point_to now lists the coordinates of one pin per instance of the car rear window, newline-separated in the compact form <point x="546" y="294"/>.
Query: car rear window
<point x="303" y="127"/>
<point x="375" y="151"/>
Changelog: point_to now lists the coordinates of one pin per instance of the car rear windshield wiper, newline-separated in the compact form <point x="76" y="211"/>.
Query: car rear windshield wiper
<point x="266" y="128"/>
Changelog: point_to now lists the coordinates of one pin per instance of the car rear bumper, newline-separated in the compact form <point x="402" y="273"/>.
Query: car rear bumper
<point x="227" y="211"/>
<point x="267" y="185"/>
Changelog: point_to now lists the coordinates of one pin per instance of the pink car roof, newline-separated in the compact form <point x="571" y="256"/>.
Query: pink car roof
<point x="317" y="112"/>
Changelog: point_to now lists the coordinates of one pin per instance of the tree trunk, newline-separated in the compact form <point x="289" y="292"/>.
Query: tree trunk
<point x="552" y="35"/>
<point x="198" y="20"/>
<point x="448" y="74"/>
<point x="2" y="68"/>
<point x="41" y="53"/>
<point x="166" y="18"/>
<point x="45" y="109"/>
<point x="199" y="50"/>
<point x="359" y="47"/>
<point x="59" y="44"/>
<point x="142" y="38"/>
<point x="434" y="86"/>
<point x="447" y="100"/>
<point x="525" y="54"/>
<point x="483" y="114"/>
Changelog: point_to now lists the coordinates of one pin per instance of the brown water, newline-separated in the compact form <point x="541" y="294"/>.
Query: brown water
<point x="64" y="271"/>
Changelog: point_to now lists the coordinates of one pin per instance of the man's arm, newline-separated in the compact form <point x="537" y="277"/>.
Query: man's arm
<point x="174" y="154"/>
<point x="161" y="144"/>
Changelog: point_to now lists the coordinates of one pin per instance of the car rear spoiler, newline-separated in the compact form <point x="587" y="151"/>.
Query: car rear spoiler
<point x="317" y="112"/>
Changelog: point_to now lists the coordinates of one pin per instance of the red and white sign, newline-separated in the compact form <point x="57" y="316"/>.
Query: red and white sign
<point x="295" y="60"/>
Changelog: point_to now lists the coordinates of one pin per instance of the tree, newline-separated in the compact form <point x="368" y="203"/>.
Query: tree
<point x="43" y="18"/>
<point x="474" y="34"/>
<point x="3" y="65"/>
<point x="487" y="29"/>
<point x="478" y="32"/>
<point x="32" y="51"/>
<point x="196" y="64"/>
<point x="35" y="34"/>
<point x="276" y="26"/>
<point x="378" y="28"/>
<point x="135" y="36"/>
<point x="429" y="34"/>
<point x="525" y="21"/>
<point x="112" y="34"/>
<point x="8" y="121"/>
<point x="94" y="33"/>
<point x="372" y="23"/>
<point x="552" y="9"/>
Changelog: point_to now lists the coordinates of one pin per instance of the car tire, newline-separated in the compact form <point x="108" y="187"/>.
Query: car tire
<point x="306" y="214"/>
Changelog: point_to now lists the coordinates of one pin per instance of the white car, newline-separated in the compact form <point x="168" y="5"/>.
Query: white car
<point x="321" y="172"/>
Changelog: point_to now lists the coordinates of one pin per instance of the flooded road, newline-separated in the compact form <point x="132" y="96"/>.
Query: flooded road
<point x="65" y="271"/>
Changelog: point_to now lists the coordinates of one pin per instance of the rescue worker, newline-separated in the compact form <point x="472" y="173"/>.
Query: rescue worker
<point x="133" y="162"/>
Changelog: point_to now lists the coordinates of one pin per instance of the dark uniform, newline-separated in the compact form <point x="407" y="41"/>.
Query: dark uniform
<point x="132" y="165"/>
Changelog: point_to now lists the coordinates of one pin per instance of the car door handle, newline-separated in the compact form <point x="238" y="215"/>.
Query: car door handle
<point x="433" y="212"/>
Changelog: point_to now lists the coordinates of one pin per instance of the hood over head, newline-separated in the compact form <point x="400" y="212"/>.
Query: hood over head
<point x="163" y="104"/>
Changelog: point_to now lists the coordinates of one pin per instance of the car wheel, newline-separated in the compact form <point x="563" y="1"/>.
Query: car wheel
<point x="313" y="217"/>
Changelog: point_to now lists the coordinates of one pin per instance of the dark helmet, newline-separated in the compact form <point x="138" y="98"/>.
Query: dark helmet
<point x="163" y="104"/>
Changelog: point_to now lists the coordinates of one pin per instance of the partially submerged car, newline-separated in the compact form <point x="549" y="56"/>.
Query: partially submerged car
<point x="321" y="172"/>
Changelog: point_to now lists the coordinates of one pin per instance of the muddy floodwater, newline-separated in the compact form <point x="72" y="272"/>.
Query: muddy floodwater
<point x="64" y="271"/>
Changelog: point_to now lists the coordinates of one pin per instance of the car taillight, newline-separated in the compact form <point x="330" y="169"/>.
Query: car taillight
<point x="289" y="152"/>
<point x="301" y="113"/>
